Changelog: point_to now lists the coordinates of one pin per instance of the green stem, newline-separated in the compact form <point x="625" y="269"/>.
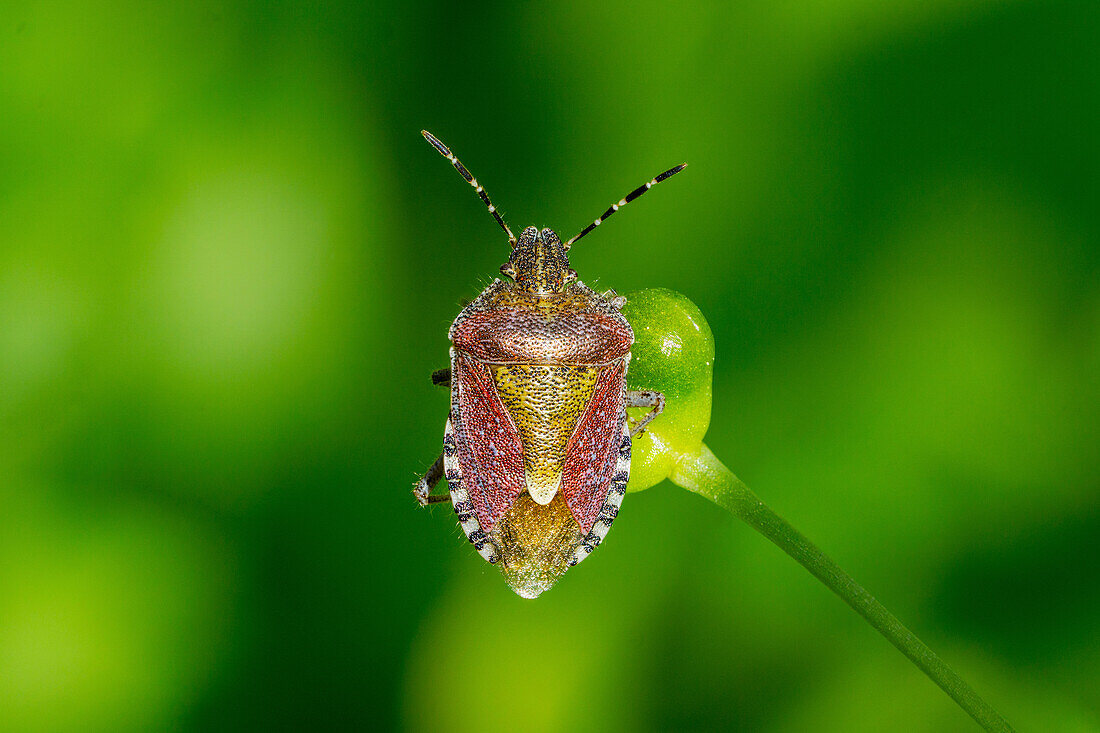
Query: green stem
<point x="707" y="476"/>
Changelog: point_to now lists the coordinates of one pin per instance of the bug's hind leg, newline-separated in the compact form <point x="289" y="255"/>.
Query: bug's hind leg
<point x="422" y="490"/>
<point x="645" y="398"/>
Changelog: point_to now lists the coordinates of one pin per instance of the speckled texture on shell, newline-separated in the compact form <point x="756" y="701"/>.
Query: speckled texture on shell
<point x="545" y="402"/>
<point x="594" y="448"/>
<point x="508" y="326"/>
<point x="537" y="543"/>
<point x="488" y="448"/>
<point x="541" y="442"/>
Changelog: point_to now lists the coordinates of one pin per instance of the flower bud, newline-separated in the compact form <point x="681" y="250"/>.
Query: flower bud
<point x="673" y="353"/>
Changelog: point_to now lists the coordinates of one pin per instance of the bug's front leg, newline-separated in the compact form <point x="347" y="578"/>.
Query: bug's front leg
<point x="422" y="489"/>
<point x="616" y="300"/>
<point x="644" y="398"/>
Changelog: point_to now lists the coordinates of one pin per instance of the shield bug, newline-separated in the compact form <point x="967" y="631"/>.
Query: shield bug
<point x="536" y="449"/>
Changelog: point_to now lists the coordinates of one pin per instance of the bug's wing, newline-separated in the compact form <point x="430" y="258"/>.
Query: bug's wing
<point x="487" y="447"/>
<point x="597" y="463"/>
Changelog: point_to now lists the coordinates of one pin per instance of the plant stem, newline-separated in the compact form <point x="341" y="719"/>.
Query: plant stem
<point x="707" y="476"/>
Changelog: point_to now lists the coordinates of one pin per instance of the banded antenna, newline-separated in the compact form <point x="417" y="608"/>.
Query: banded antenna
<point x="446" y="153"/>
<point x="623" y="202"/>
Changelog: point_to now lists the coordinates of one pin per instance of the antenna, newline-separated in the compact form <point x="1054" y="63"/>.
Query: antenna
<point x="623" y="202"/>
<point x="446" y="153"/>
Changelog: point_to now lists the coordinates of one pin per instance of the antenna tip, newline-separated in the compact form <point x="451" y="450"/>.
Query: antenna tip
<point x="669" y="173"/>
<point x="436" y="143"/>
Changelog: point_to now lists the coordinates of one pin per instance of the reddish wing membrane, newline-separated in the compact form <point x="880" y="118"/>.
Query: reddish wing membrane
<point x="489" y="449"/>
<point x="594" y="449"/>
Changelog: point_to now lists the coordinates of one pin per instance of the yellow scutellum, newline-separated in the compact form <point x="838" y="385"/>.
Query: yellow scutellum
<point x="673" y="353"/>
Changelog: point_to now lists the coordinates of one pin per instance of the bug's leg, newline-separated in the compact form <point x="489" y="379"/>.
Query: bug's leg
<point x="616" y="300"/>
<point x="422" y="490"/>
<point x="645" y="398"/>
<point x="441" y="377"/>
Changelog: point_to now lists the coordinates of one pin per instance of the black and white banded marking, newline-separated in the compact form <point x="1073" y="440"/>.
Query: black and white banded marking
<point x="464" y="508"/>
<point x="446" y="153"/>
<point x="616" y="492"/>
<point x="460" y="498"/>
<point x="624" y="201"/>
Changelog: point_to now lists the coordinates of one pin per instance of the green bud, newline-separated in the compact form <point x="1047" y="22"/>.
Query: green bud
<point x="673" y="353"/>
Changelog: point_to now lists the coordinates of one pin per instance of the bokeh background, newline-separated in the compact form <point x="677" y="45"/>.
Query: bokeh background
<point x="227" y="266"/>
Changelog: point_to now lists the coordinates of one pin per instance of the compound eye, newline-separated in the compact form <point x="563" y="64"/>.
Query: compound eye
<point x="507" y="269"/>
<point x="570" y="275"/>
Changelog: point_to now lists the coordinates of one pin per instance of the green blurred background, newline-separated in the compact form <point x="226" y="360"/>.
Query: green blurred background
<point x="227" y="266"/>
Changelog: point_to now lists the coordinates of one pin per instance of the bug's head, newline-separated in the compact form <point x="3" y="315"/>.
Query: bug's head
<point x="538" y="263"/>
